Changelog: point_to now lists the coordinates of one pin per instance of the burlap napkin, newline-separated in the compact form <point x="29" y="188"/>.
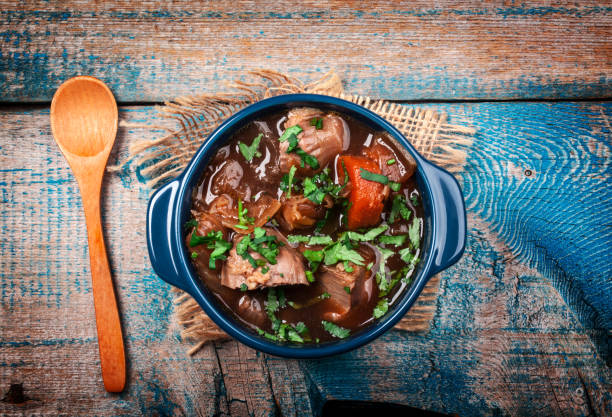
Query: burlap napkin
<point x="194" y="118"/>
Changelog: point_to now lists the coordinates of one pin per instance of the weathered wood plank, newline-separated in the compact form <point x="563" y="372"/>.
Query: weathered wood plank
<point x="404" y="51"/>
<point x="502" y="341"/>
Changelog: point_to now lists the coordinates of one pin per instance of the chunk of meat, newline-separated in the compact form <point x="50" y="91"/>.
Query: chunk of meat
<point x="366" y="199"/>
<point x="262" y="210"/>
<point x="228" y="179"/>
<point x="206" y="223"/>
<point x="397" y="171"/>
<point x="250" y="309"/>
<point x="324" y="144"/>
<point x="335" y="280"/>
<point x="288" y="270"/>
<point x="298" y="212"/>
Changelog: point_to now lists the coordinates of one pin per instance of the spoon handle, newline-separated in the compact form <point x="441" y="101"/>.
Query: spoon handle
<point x="110" y="338"/>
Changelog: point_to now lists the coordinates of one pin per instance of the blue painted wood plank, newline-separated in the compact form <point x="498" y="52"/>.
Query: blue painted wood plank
<point x="403" y="52"/>
<point x="503" y="340"/>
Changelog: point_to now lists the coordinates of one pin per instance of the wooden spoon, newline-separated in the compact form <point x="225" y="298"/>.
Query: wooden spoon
<point x="84" y="124"/>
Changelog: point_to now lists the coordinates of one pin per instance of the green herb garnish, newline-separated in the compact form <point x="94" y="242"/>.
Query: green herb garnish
<point x="325" y="296"/>
<point x="310" y="240"/>
<point x="371" y="176"/>
<point x="335" y="330"/>
<point x="396" y="240"/>
<point x="317" y="122"/>
<point x="293" y="143"/>
<point x="293" y="130"/>
<point x="391" y="161"/>
<point x="415" y="200"/>
<point x="414" y="232"/>
<point x="251" y="151"/>
<point x="381" y="308"/>
<point x="399" y="207"/>
<point x="243" y="219"/>
<point x="310" y="160"/>
<point x="266" y="335"/>
<point x="194" y="255"/>
<point x="369" y="235"/>
<point x="243" y="287"/>
<point x="395" y="186"/>
<point x="191" y="223"/>
<point x="221" y="247"/>
<point x="347" y="289"/>
<point x="196" y="240"/>
<point x="289" y="184"/>
<point x="312" y="192"/>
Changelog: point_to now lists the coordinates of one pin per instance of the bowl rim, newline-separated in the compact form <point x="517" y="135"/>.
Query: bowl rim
<point x="232" y="326"/>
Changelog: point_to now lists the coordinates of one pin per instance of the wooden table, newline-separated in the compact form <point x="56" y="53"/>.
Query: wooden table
<point x="523" y="322"/>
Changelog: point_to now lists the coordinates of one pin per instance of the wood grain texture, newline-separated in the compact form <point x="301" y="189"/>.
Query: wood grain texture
<point x="148" y="51"/>
<point x="503" y="340"/>
<point x="84" y="120"/>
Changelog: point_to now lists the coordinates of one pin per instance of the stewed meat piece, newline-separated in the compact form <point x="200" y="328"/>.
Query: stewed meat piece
<point x="346" y="289"/>
<point x="324" y="143"/>
<point x="288" y="270"/>
<point x="261" y="211"/>
<point x="389" y="163"/>
<point x="298" y="212"/>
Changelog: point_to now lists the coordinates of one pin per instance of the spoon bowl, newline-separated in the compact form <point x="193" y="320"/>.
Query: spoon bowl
<point x="92" y="123"/>
<point x="84" y="124"/>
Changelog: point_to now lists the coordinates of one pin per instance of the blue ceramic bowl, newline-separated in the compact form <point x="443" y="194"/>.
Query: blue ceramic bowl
<point x="444" y="242"/>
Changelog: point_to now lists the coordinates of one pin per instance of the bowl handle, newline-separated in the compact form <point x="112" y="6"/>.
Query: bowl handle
<point x="160" y="234"/>
<point x="449" y="212"/>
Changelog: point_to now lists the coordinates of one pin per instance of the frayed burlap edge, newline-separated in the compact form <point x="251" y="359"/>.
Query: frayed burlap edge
<point x="189" y="121"/>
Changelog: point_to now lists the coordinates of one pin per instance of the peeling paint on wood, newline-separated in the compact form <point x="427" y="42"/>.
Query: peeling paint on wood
<point x="402" y="51"/>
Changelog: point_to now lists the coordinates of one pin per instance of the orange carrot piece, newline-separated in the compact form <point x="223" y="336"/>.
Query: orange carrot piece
<point x="366" y="198"/>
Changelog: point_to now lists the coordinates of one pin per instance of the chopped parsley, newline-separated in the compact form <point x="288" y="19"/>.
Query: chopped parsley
<point x="399" y="207"/>
<point x="196" y="240"/>
<point x="312" y="192"/>
<point x="310" y="160"/>
<point x="414" y="232"/>
<point x="335" y="330"/>
<point x="243" y="287"/>
<point x="324" y="296"/>
<point x="220" y="249"/>
<point x="310" y="276"/>
<point x="287" y="184"/>
<point x="319" y="185"/>
<point x="369" y="266"/>
<point x="347" y="289"/>
<point x="397" y="240"/>
<point x="407" y="256"/>
<point x="342" y="251"/>
<point x="317" y="122"/>
<point x="371" y="176"/>
<point x="194" y="255"/>
<point x="415" y="200"/>
<point x="291" y="131"/>
<point x="266" y="334"/>
<point x="300" y="327"/>
<point x="391" y="161"/>
<point x="251" y="151"/>
<point x="310" y="240"/>
<point x="293" y="143"/>
<point x="381" y="308"/>
<point x="191" y="223"/>
<point x="395" y="186"/>
<point x="369" y="235"/>
<point x="243" y="219"/>
<point x="381" y="275"/>
<point x="268" y="246"/>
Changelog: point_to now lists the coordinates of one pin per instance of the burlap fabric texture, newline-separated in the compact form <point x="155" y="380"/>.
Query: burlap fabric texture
<point x="191" y="119"/>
